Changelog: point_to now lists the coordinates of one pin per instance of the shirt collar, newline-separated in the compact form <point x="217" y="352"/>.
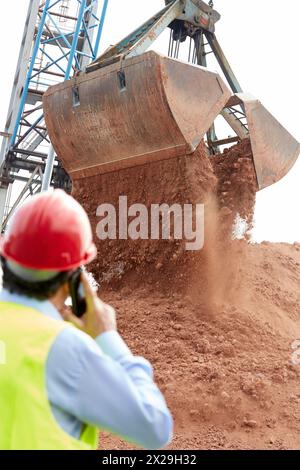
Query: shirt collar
<point x="43" y="306"/>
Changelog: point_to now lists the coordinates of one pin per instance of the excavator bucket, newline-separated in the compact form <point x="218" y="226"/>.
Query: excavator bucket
<point x="139" y="110"/>
<point x="151" y="107"/>
<point x="274" y="149"/>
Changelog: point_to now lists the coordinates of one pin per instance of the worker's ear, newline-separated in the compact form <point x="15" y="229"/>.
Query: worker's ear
<point x="66" y="289"/>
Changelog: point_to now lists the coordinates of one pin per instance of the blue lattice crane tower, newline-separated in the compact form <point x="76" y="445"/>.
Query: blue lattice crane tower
<point x="61" y="37"/>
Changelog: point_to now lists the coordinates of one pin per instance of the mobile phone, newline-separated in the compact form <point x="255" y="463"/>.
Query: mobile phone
<point x="77" y="294"/>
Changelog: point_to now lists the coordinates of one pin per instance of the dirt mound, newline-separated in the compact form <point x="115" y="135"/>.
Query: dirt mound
<point x="226" y="370"/>
<point x="218" y="323"/>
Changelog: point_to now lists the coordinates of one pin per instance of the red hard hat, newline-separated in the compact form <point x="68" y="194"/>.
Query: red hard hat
<point x="51" y="231"/>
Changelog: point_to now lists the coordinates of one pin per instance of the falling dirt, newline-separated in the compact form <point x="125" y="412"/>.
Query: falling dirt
<point x="217" y="324"/>
<point x="237" y="184"/>
<point x="184" y="180"/>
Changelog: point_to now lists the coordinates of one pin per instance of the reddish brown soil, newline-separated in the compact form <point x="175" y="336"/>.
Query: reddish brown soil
<point x="225" y="368"/>
<point x="225" y="184"/>
<point x="188" y="179"/>
<point x="217" y="324"/>
<point x="237" y="183"/>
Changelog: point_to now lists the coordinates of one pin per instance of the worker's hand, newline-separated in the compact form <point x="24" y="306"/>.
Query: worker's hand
<point x="99" y="317"/>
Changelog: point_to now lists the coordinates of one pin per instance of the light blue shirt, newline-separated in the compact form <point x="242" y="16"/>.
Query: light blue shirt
<point x="100" y="382"/>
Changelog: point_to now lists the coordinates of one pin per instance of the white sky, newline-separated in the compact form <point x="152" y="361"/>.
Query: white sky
<point x="261" y="39"/>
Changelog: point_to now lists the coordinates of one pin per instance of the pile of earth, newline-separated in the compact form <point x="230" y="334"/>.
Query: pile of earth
<point x="228" y="369"/>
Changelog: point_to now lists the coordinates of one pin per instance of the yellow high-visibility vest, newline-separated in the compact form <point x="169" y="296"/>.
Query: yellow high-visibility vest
<point x="26" y="419"/>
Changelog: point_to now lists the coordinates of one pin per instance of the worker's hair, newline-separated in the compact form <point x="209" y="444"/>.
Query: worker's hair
<point x="42" y="290"/>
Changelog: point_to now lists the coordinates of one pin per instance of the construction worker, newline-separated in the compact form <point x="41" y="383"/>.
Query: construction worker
<point x="59" y="383"/>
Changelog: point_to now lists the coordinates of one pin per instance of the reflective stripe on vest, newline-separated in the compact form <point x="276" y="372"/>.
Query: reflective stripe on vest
<point x="26" y="419"/>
